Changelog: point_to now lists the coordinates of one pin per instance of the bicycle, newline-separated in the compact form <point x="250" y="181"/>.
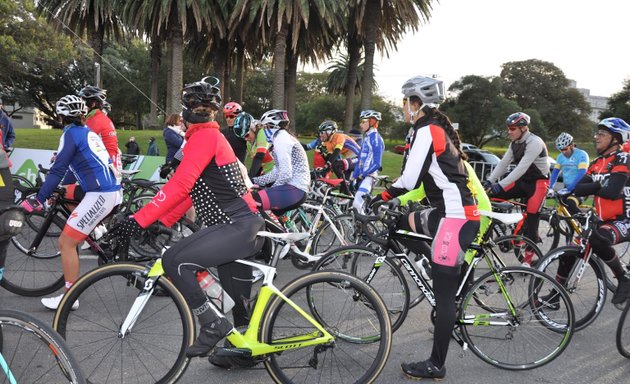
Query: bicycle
<point x="299" y="333"/>
<point x="35" y="269"/>
<point x="31" y="352"/>
<point x="586" y="280"/>
<point x="499" y="313"/>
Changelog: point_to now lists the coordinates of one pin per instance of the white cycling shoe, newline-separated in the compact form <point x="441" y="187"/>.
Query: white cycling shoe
<point x="53" y="302"/>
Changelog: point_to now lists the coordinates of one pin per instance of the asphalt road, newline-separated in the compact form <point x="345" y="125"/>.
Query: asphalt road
<point x="591" y="356"/>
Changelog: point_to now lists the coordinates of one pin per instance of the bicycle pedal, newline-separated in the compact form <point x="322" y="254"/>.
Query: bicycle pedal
<point x="233" y="352"/>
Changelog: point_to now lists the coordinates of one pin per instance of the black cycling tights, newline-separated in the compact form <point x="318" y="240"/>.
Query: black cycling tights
<point x="218" y="245"/>
<point x="445" y="284"/>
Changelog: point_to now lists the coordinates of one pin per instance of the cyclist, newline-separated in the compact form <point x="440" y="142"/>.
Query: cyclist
<point x="262" y="161"/>
<point x="11" y="221"/>
<point x="370" y="157"/>
<point x="236" y="138"/>
<point x="82" y="152"/>
<point x="290" y="176"/>
<point x="572" y="162"/>
<point x="98" y="121"/>
<point x="208" y="177"/>
<point x="436" y="160"/>
<point x="339" y="151"/>
<point x="608" y="179"/>
<point x="529" y="179"/>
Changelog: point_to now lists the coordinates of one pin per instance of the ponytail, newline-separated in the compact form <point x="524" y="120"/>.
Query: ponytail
<point x="443" y="121"/>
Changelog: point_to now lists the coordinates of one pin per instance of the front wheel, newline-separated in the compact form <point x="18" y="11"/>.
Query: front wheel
<point x="349" y="309"/>
<point x="153" y="351"/>
<point x="589" y="292"/>
<point x="509" y="321"/>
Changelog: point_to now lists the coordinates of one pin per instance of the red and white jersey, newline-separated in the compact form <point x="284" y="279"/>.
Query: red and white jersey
<point x="434" y="160"/>
<point x="102" y="125"/>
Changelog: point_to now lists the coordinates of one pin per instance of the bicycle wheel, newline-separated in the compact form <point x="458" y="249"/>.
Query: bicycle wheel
<point x="623" y="332"/>
<point x="506" y="323"/>
<point x="20" y="185"/>
<point x="34" y="272"/>
<point x="622" y="251"/>
<point x="389" y="280"/>
<point x="513" y="249"/>
<point x="347" y="308"/>
<point x="589" y="294"/>
<point x="326" y="239"/>
<point x="33" y="352"/>
<point x="153" y="351"/>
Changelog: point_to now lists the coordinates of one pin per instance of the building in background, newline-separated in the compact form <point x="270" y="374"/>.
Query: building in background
<point x="26" y="117"/>
<point x="598" y="103"/>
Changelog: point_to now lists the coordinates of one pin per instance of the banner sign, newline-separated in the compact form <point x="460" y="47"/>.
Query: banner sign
<point x="25" y="163"/>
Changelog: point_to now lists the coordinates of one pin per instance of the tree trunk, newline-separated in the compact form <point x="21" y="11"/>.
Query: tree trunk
<point x="372" y="13"/>
<point x="292" y="64"/>
<point x="240" y="71"/>
<point x="176" y="65"/>
<point x="156" y="57"/>
<point x="279" y="67"/>
<point x="354" y="56"/>
<point x="219" y="62"/>
<point x="96" y="36"/>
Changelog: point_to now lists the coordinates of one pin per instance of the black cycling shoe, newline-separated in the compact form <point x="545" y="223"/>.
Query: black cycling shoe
<point x="224" y="362"/>
<point x="209" y="335"/>
<point x="423" y="370"/>
<point x="550" y="301"/>
<point x="623" y="290"/>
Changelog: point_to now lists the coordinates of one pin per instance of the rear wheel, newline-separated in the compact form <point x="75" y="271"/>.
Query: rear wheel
<point x="623" y="332"/>
<point x="34" y="272"/>
<point x="350" y="310"/>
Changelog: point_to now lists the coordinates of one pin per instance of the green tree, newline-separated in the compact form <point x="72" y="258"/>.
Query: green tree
<point x="542" y="86"/>
<point x="479" y="108"/>
<point x="619" y="104"/>
<point x="38" y="64"/>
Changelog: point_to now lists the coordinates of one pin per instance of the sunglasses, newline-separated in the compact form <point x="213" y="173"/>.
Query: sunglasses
<point x="602" y="134"/>
<point x="230" y="116"/>
<point x="512" y="128"/>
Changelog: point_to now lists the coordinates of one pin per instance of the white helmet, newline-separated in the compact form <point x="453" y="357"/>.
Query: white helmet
<point x="71" y="105"/>
<point x="563" y="141"/>
<point x="273" y="118"/>
<point x="370" y="113"/>
<point x="428" y="89"/>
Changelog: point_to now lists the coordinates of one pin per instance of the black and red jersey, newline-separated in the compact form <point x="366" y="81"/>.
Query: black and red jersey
<point x="599" y="171"/>
<point x="208" y="177"/>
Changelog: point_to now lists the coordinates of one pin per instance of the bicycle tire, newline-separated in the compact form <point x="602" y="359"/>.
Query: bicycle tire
<point x="622" y="337"/>
<point x="621" y="249"/>
<point x="515" y="247"/>
<point x="498" y="336"/>
<point x="589" y="295"/>
<point x="389" y="281"/>
<point x="35" y="273"/>
<point x="325" y="238"/>
<point x="352" y="357"/>
<point x="105" y="294"/>
<point x="37" y="354"/>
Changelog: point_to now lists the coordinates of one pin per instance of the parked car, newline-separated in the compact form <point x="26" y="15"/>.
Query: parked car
<point x="483" y="162"/>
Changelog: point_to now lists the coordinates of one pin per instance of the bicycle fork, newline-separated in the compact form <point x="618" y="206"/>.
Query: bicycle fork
<point x="138" y="304"/>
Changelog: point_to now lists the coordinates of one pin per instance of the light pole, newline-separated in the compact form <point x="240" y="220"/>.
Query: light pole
<point x="97" y="79"/>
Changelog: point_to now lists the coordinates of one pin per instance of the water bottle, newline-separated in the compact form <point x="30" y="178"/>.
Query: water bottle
<point x="424" y="266"/>
<point x="215" y="292"/>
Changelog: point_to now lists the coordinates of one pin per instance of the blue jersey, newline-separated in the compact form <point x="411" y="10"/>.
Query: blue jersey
<point x="83" y="153"/>
<point x="371" y="155"/>
<point x="572" y="167"/>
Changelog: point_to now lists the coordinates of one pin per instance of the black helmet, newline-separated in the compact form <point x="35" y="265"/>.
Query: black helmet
<point x="92" y="92"/>
<point x="199" y="97"/>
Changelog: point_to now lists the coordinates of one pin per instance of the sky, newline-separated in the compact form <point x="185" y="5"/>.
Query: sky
<point x="587" y="40"/>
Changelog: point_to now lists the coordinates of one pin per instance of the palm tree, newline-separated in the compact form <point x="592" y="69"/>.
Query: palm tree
<point x="170" y="20"/>
<point x="94" y="18"/>
<point x="384" y="22"/>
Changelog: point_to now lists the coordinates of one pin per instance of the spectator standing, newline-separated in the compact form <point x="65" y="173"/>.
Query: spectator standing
<point x="153" y="149"/>
<point x="8" y="134"/>
<point x="132" y="146"/>
<point x="173" y="135"/>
